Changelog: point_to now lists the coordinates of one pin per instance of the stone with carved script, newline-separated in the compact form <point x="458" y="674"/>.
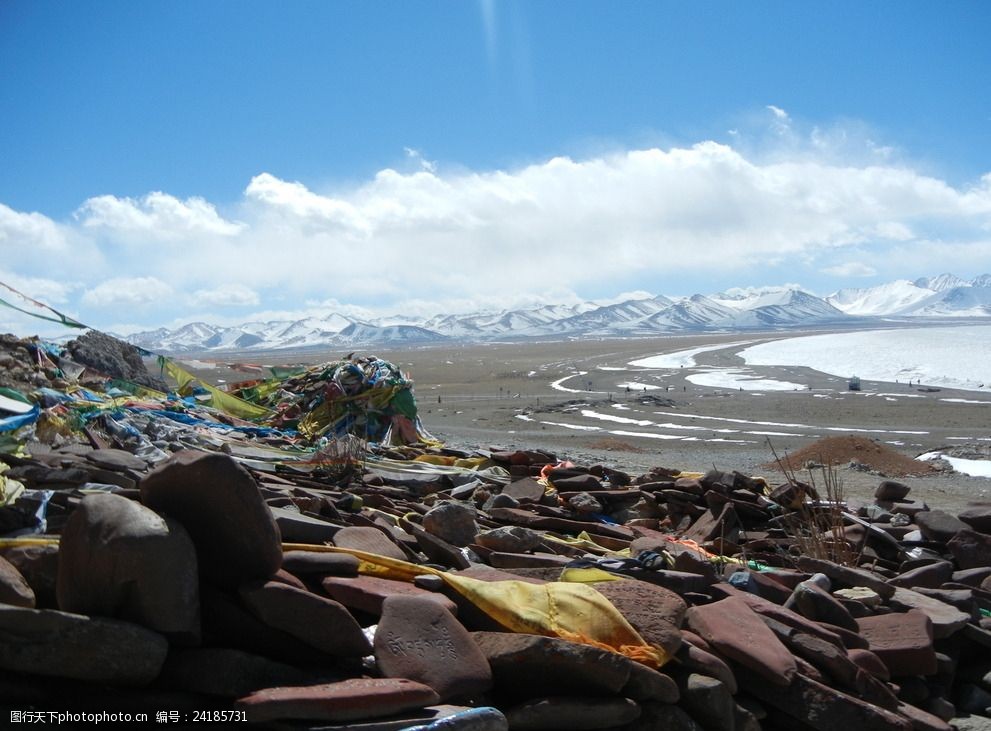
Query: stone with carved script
<point x="421" y="640"/>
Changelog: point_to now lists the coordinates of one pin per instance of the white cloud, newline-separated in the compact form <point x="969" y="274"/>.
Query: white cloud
<point x="555" y="231"/>
<point x="24" y="232"/>
<point x="780" y="122"/>
<point x="851" y="269"/>
<point x="47" y="291"/>
<point x="226" y="295"/>
<point x="157" y="214"/>
<point x="778" y="113"/>
<point x="127" y="292"/>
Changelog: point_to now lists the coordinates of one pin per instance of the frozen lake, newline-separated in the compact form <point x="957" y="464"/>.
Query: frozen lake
<point x="949" y="357"/>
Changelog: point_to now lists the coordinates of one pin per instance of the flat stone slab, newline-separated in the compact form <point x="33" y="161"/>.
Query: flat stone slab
<point x="294" y="527"/>
<point x="903" y="642"/>
<point x="347" y="700"/>
<point x="319" y="622"/>
<point x="734" y="630"/>
<point x="824" y="708"/>
<point x="766" y="608"/>
<point x="846" y="575"/>
<point x="938" y="525"/>
<point x="653" y="611"/>
<point x="116" y="459"/>
<point x="368" y="593"/>
<point x="94" y="649"/>
<point x="946" y="619"/>
<point x="419" y="639"/>
<point x="304" y="563"/>
<point x="532" y="665"/>
<point x="369" y="540"/>
<point x="526" y="490"/>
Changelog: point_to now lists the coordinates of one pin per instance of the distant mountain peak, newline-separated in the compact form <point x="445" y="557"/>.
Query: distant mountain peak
<point x="739" y="308"/>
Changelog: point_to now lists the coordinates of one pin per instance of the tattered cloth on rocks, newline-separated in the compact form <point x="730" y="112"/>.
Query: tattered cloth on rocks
<point x="571" y="611"/>
<point x="367" y="397"/>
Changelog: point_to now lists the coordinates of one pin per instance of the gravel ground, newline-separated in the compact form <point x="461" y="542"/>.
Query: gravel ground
<point x="473" y="395"/>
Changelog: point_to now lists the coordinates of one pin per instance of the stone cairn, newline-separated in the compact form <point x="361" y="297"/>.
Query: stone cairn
<point x="169" y="589"/>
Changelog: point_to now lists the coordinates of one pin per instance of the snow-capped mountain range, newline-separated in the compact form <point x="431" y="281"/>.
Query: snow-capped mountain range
<point x="764" y="308"/>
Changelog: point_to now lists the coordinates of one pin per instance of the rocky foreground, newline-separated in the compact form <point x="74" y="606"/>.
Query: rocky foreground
<point x="162" y="553"/>
<point x="208" y="582"/>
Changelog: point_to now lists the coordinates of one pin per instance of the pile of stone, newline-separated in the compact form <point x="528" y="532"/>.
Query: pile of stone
<point x="202" y="583"/>
<point x="27" y="364"/>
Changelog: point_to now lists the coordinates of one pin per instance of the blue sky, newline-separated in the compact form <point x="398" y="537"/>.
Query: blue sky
<point x="225" y="161"/>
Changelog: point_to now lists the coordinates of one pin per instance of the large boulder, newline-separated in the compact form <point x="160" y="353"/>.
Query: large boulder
<point x="218" y="502"/>
<point x="119" y="559"/>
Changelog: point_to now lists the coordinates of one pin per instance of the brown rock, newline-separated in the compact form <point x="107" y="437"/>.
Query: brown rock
<point x="903" y="642"/>
<point x="94" y="649"/>
<point x="119" y="559"/>
<point x="824" y="708"/>
<point x="814" y="602"/>
<point x="846" y="575"/>
<point x="38" y="564"/>
<point x="736" y="632"/>
<point x="421" y="640"/>
<point x="932" y="575"/>
<point x="938" y="525"/>
<point x="526" y="490"/>
<point x="348" y="700"/>
<point x="319" y="622"/>
<point x="367" y="593"/>
<point x="891" y="490"/>
<point x="970" y="549"/>
<point x="653" y="611"/>
<point x="826" y="657"/>
<point x="699" y="660"/>
<point x="369" y="540"/>
<point x="218" y="503"/>
<point x="923" y="721"/>
<point x="14" y="588"/>
<point x="765" y="608"/>
<point x="226" y="672"/>
<point x="977" y="516"/>
<point x="646" y="684"/>
<point x="867" y="660"/>
<point x="709" y="702"/>
<point x="533" y="665"/>
<point x="946" y="619"/>
<point x="304" y="563"/>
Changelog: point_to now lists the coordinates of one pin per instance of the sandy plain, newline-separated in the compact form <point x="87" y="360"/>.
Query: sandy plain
<point x="509" y="395"/>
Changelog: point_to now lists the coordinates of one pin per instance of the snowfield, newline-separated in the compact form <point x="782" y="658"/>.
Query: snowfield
<point x="950" y="357"/>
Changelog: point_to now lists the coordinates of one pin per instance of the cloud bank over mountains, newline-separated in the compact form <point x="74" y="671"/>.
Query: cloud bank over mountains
<point x="562" y="230"/>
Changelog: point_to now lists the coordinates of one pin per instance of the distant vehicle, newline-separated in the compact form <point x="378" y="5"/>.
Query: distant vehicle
<point x="854" y="384"/>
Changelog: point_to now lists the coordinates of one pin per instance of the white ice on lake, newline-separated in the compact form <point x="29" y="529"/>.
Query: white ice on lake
<point x="948" y="357"/>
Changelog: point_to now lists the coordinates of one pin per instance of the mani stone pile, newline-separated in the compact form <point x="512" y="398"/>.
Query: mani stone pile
<point x="188" y="585"/>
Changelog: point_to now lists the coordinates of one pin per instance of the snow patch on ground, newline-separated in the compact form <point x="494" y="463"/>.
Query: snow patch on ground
<point x="737" y="378"/>
<point x="634" y="386"/>
<point x="972" y="467"/>
<point x="683" y="358"/>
